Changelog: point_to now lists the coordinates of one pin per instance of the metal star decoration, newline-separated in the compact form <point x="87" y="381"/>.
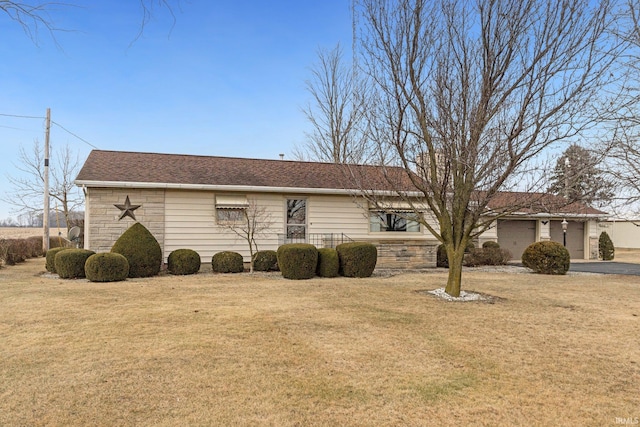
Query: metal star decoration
<point x="127" y="209"/>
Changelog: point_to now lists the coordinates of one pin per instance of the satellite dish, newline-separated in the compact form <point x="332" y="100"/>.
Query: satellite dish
<point x="74" y="234"/>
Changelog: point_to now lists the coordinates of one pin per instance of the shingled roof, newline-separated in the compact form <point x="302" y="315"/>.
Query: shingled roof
<point x="533" y="203"/>
<point x="109" y="168"/>
<point x="153" y="170"/>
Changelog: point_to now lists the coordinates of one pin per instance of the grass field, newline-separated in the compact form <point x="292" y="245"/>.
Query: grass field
<point x="261" y="350"/>
<point x="24" y="232"/>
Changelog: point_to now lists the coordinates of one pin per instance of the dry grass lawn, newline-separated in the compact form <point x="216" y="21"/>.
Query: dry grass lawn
<point x="260" y="350"/>
<point x="627" y="255"/>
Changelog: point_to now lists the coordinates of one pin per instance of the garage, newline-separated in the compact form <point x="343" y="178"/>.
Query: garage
<point x="516" y="235"/>
<point x="575" y="237"/>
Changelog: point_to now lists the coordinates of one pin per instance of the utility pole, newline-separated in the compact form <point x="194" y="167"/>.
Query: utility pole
<point x="566" y="178"/>
<point x="45" y="214"/>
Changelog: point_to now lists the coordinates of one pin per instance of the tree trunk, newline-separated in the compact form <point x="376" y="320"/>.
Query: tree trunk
<point x="456" y="258"/>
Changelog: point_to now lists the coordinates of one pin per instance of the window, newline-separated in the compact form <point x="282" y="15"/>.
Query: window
<point x="230" y="208"/>
<point x="229" y="215"/>
<point x="393" y="221"/>
<point x="296" y="219"/>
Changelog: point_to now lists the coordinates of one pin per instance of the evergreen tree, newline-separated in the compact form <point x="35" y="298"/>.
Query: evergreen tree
<point x="580" y="179"/>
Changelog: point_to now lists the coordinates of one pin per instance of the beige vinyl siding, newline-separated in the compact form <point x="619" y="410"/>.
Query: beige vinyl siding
<point x="191" y="223"/>
<point x="337" y="214"/>
<point x="348" y="215"/>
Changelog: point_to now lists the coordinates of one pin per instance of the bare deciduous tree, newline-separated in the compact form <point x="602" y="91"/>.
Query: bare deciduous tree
<point x="623" y="149"/>
<point x="335" y="112"/>
<point x="35" y="15"/>
<point x="468" y="94"/>
<point x="253" y="222"/>
<point x="27" y="192"/>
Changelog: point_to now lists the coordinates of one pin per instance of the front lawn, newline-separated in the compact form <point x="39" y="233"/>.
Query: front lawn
<point x="261" y="350"/>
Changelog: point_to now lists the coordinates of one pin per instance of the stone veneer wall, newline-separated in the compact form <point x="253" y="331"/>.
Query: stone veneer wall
<point x="406" y="254"/>
<point x="593" y="248"/>
<point x="104" y="226"/>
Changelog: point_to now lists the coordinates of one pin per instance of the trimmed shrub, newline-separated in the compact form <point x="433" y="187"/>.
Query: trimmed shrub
<point x="357" y="259"/>
<point x="265" y="261"/>
<point x="490" y="245"/>
<point x="605" y="247"/>
<point x="441" y="257"/>
<point x="17" y="251"/>
<point x="183" y="261"/>
<point x="35" y="246"/>
<point x="60" y="242"/>
<point x="106" y="267"/>
<point x="487" y="256"/>
<point x="297" y="261"/>
<point x="50" y="259"/>
<point x="328" y="263"/>
<point x="227" y="262"/>
<point x="4" y="246"/>
<point x="547" y="258"/>
<point x="70" y="263"/>
<point x="141" y="250"/>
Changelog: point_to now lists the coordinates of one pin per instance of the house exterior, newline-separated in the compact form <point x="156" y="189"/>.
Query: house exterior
<point x="189" y="201"/>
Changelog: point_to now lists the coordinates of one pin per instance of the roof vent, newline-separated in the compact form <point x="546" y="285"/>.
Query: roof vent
<point x="281" y="156"/>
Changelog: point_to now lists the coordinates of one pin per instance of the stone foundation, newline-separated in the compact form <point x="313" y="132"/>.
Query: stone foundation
<point x="406" y="254"/>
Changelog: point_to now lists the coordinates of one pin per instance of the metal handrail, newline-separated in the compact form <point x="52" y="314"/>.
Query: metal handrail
<point x="319" y="240"/>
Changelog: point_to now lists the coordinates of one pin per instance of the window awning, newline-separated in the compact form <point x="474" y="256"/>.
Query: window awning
<point x="225" y="201"/>
<point x="396" y="206"/>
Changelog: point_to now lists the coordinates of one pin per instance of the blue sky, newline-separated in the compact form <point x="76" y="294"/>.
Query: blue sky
<point x="227" y="78"/>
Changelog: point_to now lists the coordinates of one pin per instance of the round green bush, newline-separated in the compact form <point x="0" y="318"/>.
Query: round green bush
<point x="297" y="261"/>
<point x="441" y="257"/>
<point x="328" y="263"/>
<point x="106" y="267"/>
<point x="547" y="258"/>
<point x="605" y="247"/>
<point x="70" y="263"/>
<point x="357" y="259"/>
<point x="50" y="259"/>
<point x="490" y="245"/>
<point x="265" y="260"/>
<point x="183" y="261"/>
<point x="227" y="262"/>
<point x="141" y="250"/>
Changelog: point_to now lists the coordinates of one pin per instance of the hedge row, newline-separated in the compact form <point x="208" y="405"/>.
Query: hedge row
<point x="303" y="261"/>
<point x="14" y="251"/>
<point x="489" y="254"/>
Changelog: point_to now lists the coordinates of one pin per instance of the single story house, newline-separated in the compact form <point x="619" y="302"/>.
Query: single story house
<point x="189" y="201"/>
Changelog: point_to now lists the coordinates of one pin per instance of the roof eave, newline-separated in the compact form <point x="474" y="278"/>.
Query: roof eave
<point x="543" y="215"/>
<point x="234" y="188"/>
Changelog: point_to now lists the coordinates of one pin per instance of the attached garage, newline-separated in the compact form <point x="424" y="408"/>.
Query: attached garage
<point x="575" y="237"/>
<point x="516" y="235"/>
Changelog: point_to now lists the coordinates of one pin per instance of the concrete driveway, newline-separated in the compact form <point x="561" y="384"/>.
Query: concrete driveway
<point x="606" y="267"/>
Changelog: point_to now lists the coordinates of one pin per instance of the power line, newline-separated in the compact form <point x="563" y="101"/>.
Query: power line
<point x="22" y="117"/>
<point x="73" y="134"/>
<point x="55" y="123"/>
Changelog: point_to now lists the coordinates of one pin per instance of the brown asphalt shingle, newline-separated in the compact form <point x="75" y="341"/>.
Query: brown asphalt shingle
<point x="119" y="166"/>
<point x="153" y="168"/>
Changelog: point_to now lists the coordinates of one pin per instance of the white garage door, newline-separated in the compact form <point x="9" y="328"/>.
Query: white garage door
<point x="516" y="235"/>
<point x="575" y="237"/>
